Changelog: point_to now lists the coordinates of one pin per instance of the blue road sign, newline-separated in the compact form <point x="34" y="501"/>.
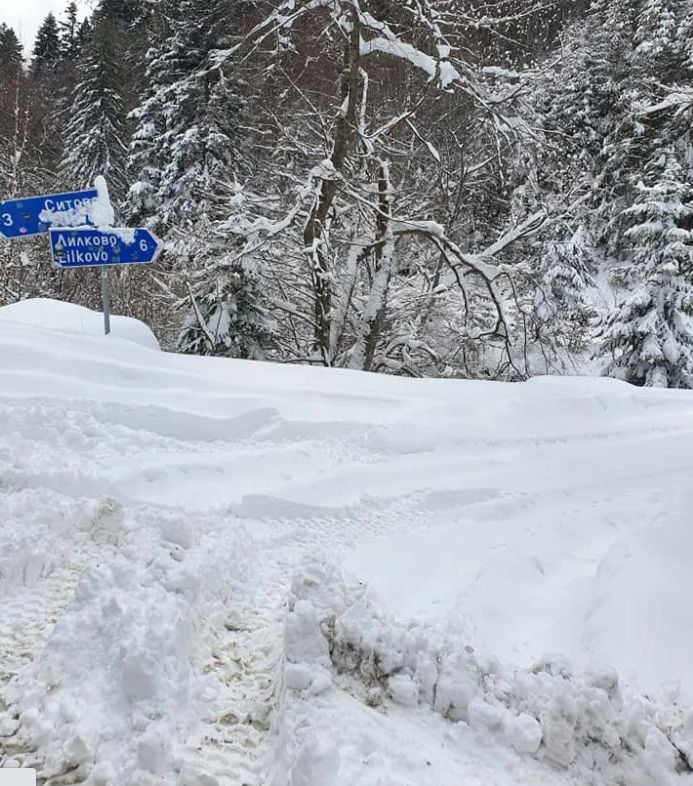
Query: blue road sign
<point x="87" y="247"/>
<point x="36" y="215"/>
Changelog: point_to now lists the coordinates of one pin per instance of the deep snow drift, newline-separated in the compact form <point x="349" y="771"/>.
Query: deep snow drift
<point x="215" y="571"/>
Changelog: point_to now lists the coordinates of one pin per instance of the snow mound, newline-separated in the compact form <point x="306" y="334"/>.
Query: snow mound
<point x="68" y="318"/>
<point x="46" y="528"/>
<point x="120" y="683"/>
<point x="583" y="722"/>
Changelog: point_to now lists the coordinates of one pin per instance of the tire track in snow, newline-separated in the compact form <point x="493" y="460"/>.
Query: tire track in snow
<point x="27" y="619"/>
<point x="234" y="746"/>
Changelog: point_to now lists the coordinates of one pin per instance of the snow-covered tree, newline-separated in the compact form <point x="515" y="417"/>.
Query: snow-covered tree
<point x="185" y="151"/>
<point x="69" y="26"/>
<point x="656" y="36"/>
<point x="47" y="50"/>
<point x="122" y="13"/>
<point x="96" y="133"/>
<point x="224" y="307"/>
<point x="370" y="268"/>
<point x="186" y="160"/>
<point x="561" y="311"/>
<point x="418" y="187"/>
<point x="10" y="48"/>
<point x="649" y="337"/>
<point x="11" y="64"/>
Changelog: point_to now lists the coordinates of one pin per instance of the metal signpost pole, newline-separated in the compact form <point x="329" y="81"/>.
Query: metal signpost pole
<point x="104" y="300"/>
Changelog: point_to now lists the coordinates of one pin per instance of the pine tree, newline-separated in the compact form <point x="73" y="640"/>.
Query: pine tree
<point x="565" y="274"/>
<point x="10" y="63"/>
<point x="47" y="50"/>
<point x="96" y="133"/>
<point x="122" y="13"/>
<point x="84" y="32"/>
<point x="185" y="150"/>
<point x="650" y="335"/>
<point x="684" y="36"/>
<point x="69" y="33"/>
<point x="10" y="49"/>
<point x="656" y="44"/>
<point x="186" y="156"/>
<point x="574" y="99"/>
<point x="618" y="17"/>
<point x="225" y="316"/>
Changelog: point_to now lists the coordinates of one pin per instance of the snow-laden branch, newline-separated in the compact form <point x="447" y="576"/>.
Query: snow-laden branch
<point x="678" y="100"/>
<point x="528" y="227"/>
<point x="282" y="19"/>
<point x="387" y="42"/>
<point x="434" y="68"/>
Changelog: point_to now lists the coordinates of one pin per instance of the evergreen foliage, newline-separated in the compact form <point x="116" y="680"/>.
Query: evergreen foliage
<point x="10" y="49"/>
<point x="70" y="40"/>
<point x="455" y="193"/>
<point x="650" y="335"/>
<point x="47" y="48"/>
<point x="186" y="156"/>
<point x="185" y="151"/>
<point x="224" y="311"/>
<point x="96" y="131"/>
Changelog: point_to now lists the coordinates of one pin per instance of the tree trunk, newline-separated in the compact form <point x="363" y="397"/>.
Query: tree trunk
<point x="314" y="231"/>
<point x="373" y="318"/>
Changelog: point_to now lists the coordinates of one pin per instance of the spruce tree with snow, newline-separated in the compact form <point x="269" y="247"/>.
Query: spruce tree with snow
<point x="47" y="50"/>
<point x="684" y="36"/>
<point x="84" y="34"/>
<point x="225" y="316"/>
<point x="69" y="33"/>
<point x="185" y="152"/>
<point x="10" y="49"/>
<point x="561" y="311"/>
<point x="186" y="157"/>
<point x="618" y="16"/>
<point x="656" y="37"/>
<point x="649" y="337"/>
<point x="225" y="307"/>
<point x="96" y="133"/>
<point x="122" y="13"/>
<point x="10" y="63"/>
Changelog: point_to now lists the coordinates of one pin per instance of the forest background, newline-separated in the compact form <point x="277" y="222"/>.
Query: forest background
<point x="448" y="188"/>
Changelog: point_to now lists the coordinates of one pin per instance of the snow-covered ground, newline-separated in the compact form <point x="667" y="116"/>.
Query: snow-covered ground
<point x="221" y="572"/>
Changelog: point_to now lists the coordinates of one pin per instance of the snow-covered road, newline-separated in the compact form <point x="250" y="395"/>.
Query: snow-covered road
<point x="217" y="571"/>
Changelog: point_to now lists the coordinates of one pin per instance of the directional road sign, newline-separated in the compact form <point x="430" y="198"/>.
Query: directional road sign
<point x="87" y="247"/>
<point x="36" y="215"/>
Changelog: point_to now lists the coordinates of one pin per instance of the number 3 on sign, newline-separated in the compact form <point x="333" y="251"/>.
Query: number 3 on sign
<point x="7" y="220"/>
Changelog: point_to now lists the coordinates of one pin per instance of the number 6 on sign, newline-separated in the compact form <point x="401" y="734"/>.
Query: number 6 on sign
<point x="92" y="247"/>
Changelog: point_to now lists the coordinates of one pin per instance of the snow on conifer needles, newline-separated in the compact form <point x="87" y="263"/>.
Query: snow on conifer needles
<point x="424" y="188"/>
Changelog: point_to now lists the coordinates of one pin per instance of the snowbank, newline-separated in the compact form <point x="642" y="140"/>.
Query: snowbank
<point x="65" y="317"/>
<point x="146" y="636"/>
<point x="120" y="686"/>
<point x="583" y="722"/>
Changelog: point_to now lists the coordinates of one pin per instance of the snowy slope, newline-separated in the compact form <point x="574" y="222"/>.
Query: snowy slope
<point x="216" y="571"/>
